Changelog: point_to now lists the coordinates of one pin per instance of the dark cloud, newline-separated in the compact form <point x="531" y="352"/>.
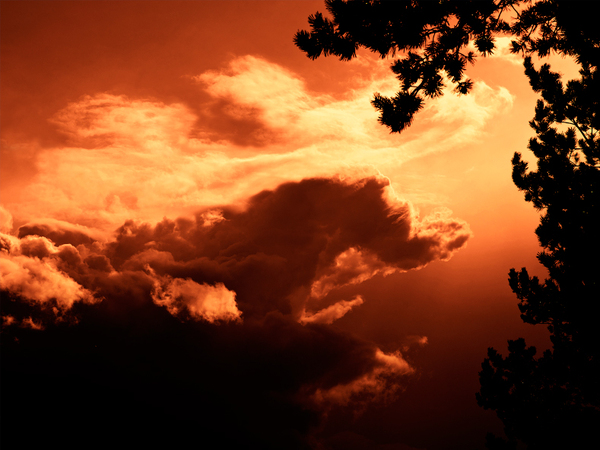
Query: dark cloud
<point x="198" y="329"/>
<point x="58" y="232"/>
<point x="289" y="238"/>
<point x="153" y="379"/>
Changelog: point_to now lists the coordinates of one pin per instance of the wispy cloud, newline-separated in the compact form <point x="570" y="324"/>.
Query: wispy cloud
<point x="139" y="158"/>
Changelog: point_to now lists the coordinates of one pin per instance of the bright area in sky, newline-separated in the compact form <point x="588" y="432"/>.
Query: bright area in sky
<point x="130" y="158"/>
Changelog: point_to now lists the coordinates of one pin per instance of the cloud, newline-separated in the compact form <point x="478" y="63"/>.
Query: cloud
<point x="6" y="221"/>
<point x="291" y="246"/>
<point x="29" y="323"/>
<point x="285" y="251"/>
<point x="108" y="120"/>
<point x="502" y="51"/>
<point x="352" y="266"/>
<point x="255" y="86"/>
<point x="168" y="301"/>
<point x="377" y="382"/>
<point x="211" y="303"/>
<point x="413" y="340"/>
<point x="61" y="232"/>
<point x="331" y="313"/>
<point x="143" y="159"/>
<point x="27" y="270"/>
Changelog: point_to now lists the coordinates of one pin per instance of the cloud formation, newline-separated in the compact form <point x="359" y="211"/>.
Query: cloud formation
<point x="292" y="246"/>
<point x="29" y="268"/>
<point x="204" y="300"/>
<point x="211" y="303"/>
<point x="143" y="159"/>
<point x="285" y="251"/>
<point x="199" y="273"/>
<point x="373" y="383"/>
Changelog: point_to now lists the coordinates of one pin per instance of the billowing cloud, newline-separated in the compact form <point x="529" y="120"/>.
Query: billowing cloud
<point x="202" y="272"/>
<point x="286" y="251"/>
<point x="211" y="303"/>
<point x="28" y="269"/>
<point x="170" y="299"/>
<point x="39" y="281"/>
<point x="376" y="382"/>
<point x="289" y="248"/>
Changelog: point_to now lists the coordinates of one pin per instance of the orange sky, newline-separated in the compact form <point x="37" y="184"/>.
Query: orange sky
<point x="180" y="113"/>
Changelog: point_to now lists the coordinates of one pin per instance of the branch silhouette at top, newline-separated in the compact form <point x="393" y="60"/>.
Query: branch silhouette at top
<point x="552" y="401"/>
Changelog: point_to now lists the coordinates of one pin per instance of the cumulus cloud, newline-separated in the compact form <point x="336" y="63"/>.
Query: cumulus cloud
<point x="285" y="252"/>
<point x="169" y="298"/>
<point x="290" y="247"/>
<point x="27" y="270"/>
<point x="211" y="303"/>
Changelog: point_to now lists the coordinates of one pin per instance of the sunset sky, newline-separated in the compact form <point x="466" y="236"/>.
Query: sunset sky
<point x="179" y="181"/>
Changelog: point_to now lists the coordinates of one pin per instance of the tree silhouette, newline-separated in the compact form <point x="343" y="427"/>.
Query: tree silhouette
<point x="552" y="400"/>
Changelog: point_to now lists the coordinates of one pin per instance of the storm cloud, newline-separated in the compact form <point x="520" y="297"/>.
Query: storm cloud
<point x="229" y="312"/>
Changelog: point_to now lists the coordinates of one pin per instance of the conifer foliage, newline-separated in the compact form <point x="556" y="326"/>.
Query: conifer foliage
<point x="553" y="400"/>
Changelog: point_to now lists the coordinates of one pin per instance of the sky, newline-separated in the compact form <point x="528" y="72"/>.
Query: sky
<point x="207" y="235"/>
